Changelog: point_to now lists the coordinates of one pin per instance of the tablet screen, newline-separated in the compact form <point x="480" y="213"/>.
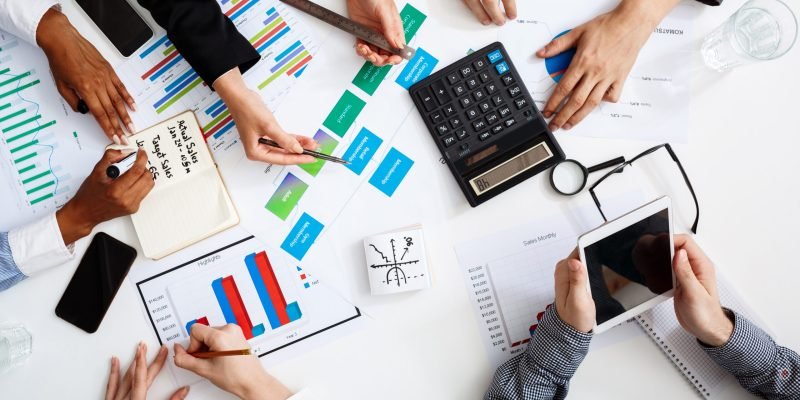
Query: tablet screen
<point x="631" y="266"/>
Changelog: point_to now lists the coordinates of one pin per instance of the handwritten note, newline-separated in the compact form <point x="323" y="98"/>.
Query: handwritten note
<point x="172" y="152"/>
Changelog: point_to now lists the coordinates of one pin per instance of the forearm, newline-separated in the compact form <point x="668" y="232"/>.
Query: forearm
<point x="758" y="363"/>
<point x="230" y="86"/>
<point x="647" y="12"/>
<point x="73" y="223"/>
<point x="545" y="369"/>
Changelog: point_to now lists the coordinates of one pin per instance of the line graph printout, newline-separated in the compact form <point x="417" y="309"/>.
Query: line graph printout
<point x="396" y="261"/>
<point x="163" y="83"/>
<point x="654" y="104"/>
<point x="46" y="149"/>
<point x="244" y="282"/>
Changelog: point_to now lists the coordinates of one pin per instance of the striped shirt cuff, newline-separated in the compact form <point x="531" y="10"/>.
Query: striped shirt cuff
<point x="558" y="347"/>
<point x="749" y="351"/>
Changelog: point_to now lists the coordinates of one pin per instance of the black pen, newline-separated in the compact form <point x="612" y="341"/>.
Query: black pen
<point x="314" y="154"/>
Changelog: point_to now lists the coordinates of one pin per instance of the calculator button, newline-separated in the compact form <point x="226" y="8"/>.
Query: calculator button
<point x="485" y="107"/>
<point x="485" y="135"/>
<point x="473" y="113"/>
<point x="514" y="91"/>
<point x="502" y="68"/>
<point x="497" y="100"/>
<point x="453" y="78"/>
<point x="449" y="110"/>
<point x="479" y="124"/>
<point x="462" y="134"/>
<point x="455" y="122"/>
<point x="485" y="77"/>
<point x="510" y="121"/>
<point x="504" y="111"/>
<point x="472" y="83"/>
<point x="508" y="79"/>
<point x="479" y="64"/>
<point x="478" y="95"/>
<point x="466" y="102"/>
<point x="492" y="118"/>
<point x="437" y="117"/>
<point x="527" y="113"/>
<point x="440" y="92"/>
<point x="491" y="88"/>
<point x="495" y="56"/>
<point x="497" y="129"/>
<point x="427" y="99"/>
<point x="521" y="103"/>
<point x="464" y="146"/>
<point x="459" y="89"/>
<point x="449" y="140"/>
<point x="442" y="129"/>
<point x="466" y="71"/>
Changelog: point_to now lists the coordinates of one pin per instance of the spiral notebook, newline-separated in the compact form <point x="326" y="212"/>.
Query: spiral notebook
<point x="661" y="325"/>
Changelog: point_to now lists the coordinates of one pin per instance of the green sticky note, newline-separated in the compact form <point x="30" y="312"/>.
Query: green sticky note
<point x="285" y="199"/>
<point x="344" y="113"/>
<point x="370" y="77"/>
<point x="412" y="20"/>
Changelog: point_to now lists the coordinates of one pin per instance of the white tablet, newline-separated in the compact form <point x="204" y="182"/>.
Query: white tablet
<point x="629" y="261"/>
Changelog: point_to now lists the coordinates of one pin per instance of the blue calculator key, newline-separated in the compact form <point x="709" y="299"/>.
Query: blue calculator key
<point x="495" y="56"/>
<point x="502" y="68"/>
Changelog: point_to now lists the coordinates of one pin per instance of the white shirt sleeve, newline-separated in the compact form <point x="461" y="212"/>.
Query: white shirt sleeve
<point x="39" y="246"/>
<point x="21" y="17"/>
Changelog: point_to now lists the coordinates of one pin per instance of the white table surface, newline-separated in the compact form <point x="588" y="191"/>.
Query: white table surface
<point x="742" y="159"/>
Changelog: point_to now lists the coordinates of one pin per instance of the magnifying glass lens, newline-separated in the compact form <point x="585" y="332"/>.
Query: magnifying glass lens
<point x="568" y="177"/>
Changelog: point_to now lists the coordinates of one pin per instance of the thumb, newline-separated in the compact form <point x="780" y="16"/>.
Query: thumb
<point x="684" y="273"/>
<point x="559" y="45"/>
<point x="392" y="26"/>
<point x="578" y="277"/>
<point x="180" y="394"/>
<point x="187" y="361"/>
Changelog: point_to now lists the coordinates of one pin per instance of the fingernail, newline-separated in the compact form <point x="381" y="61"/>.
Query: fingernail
<point x="130" y="128"/>
<point x="553" y="127"/>
<point x="133" y="106"/>
<point x="486" y="22"/>
<point x="548" y="114"/>
<point x="682" y="256"/>
<point x="567" y="126"/>
<point x="115" y="139"/>
<point x="185" y="391"/>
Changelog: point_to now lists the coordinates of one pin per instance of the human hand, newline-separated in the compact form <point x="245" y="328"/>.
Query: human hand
<point x="607" y="47"/>
<point x="101" y="198"/>
<point x="488" y="11"/>
<point x="696" y="300"/>
<point x="382" y="16"/>
<point x="241" y="375"/>
<point x="574" y="303"/>
<point x="81" y="73"/>
<point x="139" y="377"/>
<point x="254" y="120"/>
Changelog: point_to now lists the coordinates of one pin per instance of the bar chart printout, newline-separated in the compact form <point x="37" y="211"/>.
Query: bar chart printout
<point x="46" y="150"/>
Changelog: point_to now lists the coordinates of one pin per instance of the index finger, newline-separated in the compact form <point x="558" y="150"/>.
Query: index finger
<point x="139" y="391"/>
<point x="200" y="335"/>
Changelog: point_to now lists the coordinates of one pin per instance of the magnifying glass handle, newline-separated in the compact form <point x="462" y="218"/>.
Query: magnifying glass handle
<point x="608" y="164"/>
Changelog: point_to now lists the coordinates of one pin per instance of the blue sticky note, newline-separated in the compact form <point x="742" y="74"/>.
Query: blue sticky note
<point x="361" y="150"/>
<point x="418" y="68"/>
<point x="392" y="170"/>
<point x="502" y="68"/>
<point x="495" y="56"/>
<point x="302" y="236"/>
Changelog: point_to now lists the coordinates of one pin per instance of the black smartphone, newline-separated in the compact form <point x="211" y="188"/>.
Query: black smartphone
<point x="120" y="22"/>
<point x="96" y="281"/>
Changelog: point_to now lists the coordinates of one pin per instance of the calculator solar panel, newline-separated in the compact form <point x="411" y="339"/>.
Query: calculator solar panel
<point x="485" y="123"/>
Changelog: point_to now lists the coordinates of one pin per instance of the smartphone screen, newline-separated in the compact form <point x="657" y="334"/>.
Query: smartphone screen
<point x="123" y="26"/>
<point x="98" y="277"/>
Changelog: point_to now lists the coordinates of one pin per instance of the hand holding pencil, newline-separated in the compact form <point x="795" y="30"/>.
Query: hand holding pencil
<point x="211" y="355"/>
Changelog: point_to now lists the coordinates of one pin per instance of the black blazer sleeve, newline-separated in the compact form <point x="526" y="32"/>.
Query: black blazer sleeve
<point x="711" y="2"/>
<point x="203" y="35"/>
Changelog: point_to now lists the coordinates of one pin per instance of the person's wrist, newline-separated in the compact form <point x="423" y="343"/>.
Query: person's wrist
<point x="72" y="223"/>
<point x="720" y="331"/>
<point x="646" y="14"/>
<point x="263" y="387"/>
<point x="51" y="29"/>
<point x="230" y="86"/>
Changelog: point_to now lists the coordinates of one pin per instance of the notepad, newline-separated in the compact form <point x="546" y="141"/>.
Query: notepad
<point x="397" y="261"/>
<point x="661" y="325"/>
<point x="189" y="201"/>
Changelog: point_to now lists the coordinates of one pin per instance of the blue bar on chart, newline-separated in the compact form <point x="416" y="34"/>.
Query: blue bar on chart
<point x="302" y="236"/>
<point x="361" y="150"/>
<point x="233" y="308"/>
<point x="215" y="108"/>
<point x="279" y="313"/>
<point x="392" y="170"/>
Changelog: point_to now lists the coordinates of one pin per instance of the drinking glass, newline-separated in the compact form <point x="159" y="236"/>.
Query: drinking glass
<point x="760" y="30"/>
<point x="15" y="345"/>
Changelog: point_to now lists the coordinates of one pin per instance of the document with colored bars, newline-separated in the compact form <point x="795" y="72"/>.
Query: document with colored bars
<point x="163" y="84"/>
<point x="46" y="149"/>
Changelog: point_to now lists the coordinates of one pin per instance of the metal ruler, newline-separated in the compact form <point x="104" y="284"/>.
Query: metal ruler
<point x="352" y="27"/>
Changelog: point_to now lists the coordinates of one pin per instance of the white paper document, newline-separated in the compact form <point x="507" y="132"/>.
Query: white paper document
<point x="397" y="261"/>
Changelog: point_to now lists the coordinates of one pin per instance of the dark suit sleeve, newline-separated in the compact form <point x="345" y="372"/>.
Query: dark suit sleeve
<point x="711" y="2"/>
<point x="204" y="36"/>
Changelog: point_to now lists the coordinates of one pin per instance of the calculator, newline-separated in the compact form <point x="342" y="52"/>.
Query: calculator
<point x="485" y="123"/>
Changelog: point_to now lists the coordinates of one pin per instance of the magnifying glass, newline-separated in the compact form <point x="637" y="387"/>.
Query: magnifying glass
<point x="569" y="176"/>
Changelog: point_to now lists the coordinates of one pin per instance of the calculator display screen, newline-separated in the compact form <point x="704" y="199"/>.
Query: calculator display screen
<point x="511" y="168"/>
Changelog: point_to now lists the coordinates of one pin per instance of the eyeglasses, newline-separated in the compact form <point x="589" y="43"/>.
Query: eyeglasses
<point x="618" y="169"/>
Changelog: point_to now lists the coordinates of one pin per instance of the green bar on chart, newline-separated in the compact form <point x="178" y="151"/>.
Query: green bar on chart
<point x="19" y="89"/>
<point x="21" y="123"/>
<point x="28" y="132"/>
<point x="40" y="187"/>
<point x="14" y="79"/>
<point x="26" y="169"/>
<point x="344" y="113"/>
<point x="23" y="158"/>
<point x="43" y="198"/>
<point x="35" y="177"/>
<point x="4" y="106"/>
<point x="24" y="146"/>
<point x="5" y="70"/>
<point x="216" y="120"/>
<point x="12" y="115"/>
<point x="180" y="94"/>
<point x="283" y="70"/>
<point x="169" y="50"/>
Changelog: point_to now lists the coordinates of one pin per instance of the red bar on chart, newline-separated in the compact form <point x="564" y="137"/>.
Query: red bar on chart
<point x="273" y="288"/>
<point x="237" y="306"/>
